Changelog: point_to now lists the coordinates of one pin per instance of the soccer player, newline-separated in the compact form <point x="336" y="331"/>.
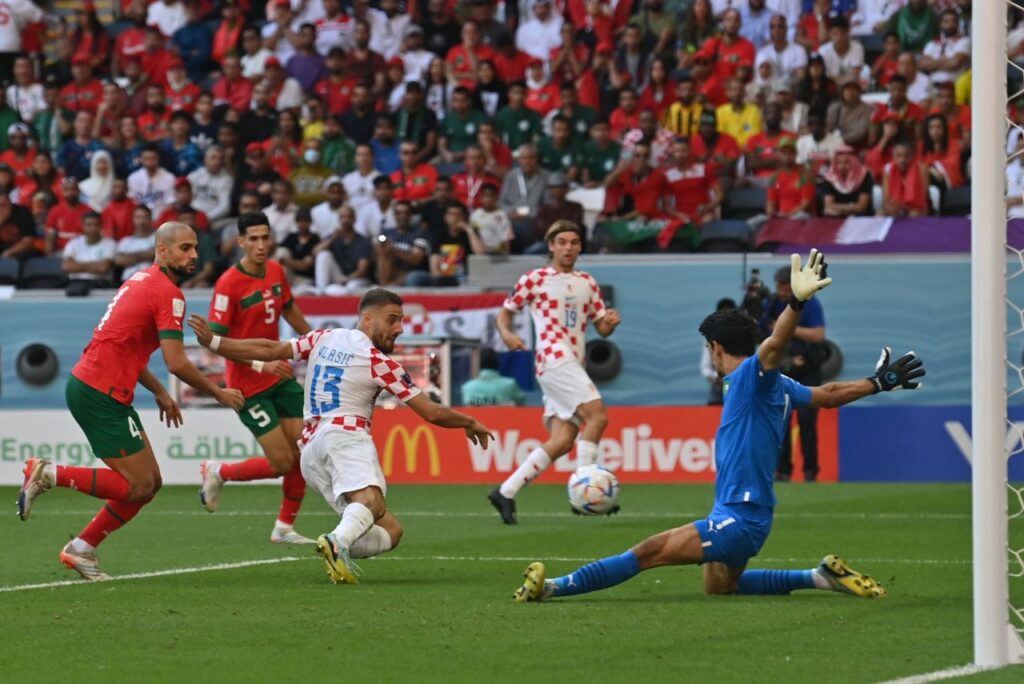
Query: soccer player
<point x="347" y="370"/>
<point x="146" y="313"/>
<point x="758" y="399"/>
<point x="249" y="300"/>
<point x="562" y="302"/>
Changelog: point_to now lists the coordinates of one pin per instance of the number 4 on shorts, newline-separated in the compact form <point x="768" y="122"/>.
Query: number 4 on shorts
<point x="133" y="428"/>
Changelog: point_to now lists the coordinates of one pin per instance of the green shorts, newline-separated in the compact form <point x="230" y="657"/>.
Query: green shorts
<point x="112" y="428"/>
<point x="263" y="412"/>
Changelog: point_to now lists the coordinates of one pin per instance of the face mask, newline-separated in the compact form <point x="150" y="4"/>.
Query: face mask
<point x="311" y="156"/>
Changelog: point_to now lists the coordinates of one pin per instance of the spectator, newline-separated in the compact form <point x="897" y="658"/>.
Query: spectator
<point x="580" y="117"/>
<point x="416" y="123"/>
<point x="325" y="215"/>
<point x="20" y="154"/>
<point x="415" y="58"/>
<point x="116" y="217"/>
<point x="228" y="36"/>
<point x="167" y="15"/>
<point x="282" y="211"/>
<point x="151" y="185"/>
<point x="915" y="24"/>
<point x="657" y="95"/>
<point x="96" y="189"/>
<point x="522" y="190"/>
<point x="206" y="253"/>
<point x="738" y="118"/>
<point x="307" y="66"/>
<point x="791" y="190"/>
<point x="789" y="60"/>
<point x="365" y="65"/>
<point x="489" y="387"/>
<point x="232" y="90"/>
<point x="135" y="252"/>
<point x="84" y="92"/>
<point x="872" y="16"/>
<point x="599" y="156"/>
<point x="448" y="262"/>
<point x="254" y="55"/>
<point x="907" y="114"/>
<point x="24" y="95"/>
<point x="657" y="27"/>
<point x="440" y="28"/>
<point x="467" y="185"/>
<point x="697" y="26"/>
<point x="940" y="154"/>
<point x="359" y="182"/>
<point x="179" y="154"/>
<point x="387" y="25"/>
<point x="559" y="152"/>
<point x="847" y="185"/>
<point x="17" y="230"/>
<point x="154" y="59"/>
<point x="497" y="155"/>
<point x="761" y="151"/>
<point x="193" y="41"/>
<point x="904" y="183"/>
<point x="385" y="146"/>
<point x="202" y="130"/>
<point x="639" y="199"/>
<point x="958" y="117"/>
<point x="256" y="176"/>
<point x="721" y="149"/>
<point x="439" y="89"/>
<point x="359" y="120"/>
<point x="843" y="57"/>
<point x="490" y="223"/>
<point x="113" y="107"/>
<point x="557" y="208"/>
<point x="90" y="256"/>
<point x="296" y="250"/>
<point x="64" y="221"/>
<point x="155" y="120"/>
<point x="850" y="115"/>
<point x="756" y="25"/>
<point x="794" y="112"/>
<point x="180" y="94"/>
<point x="816" y="147"/>
<point x="759" y="89"/>
<point x="284" y="91"/>
<point x="342" y="258"/>
<point x="541" y="33"/>
<point x="509" y="61"/>
<point x="683" y="116"/>
<point x="881" y="154"/>
<point x="43" y="178"/>
<point x="696" y="193"/>
<point x="947" y="56"/>
<point x="183" y="206"/>
<point x="812" y="31"/>
<point x="569" y="59"/>
<point x="377" y="215"/>
<point x="402" y="252"/>
<point x="631" y="61"/>
<point x="18" y="16"/>
<point x="707" y="369"/>
<point x="49" y="124"/>
<point x="816" y="89"/>
<point x="518" y="124"/>
<point x="414" y="181"/>
<point x="919" y="88"/>
<point x="731" y="55"/>
<point x="627" y="116"/>
<point x="458" y="131"/>
<point x="309" y="177"/>
<point x="131" y="42"/>
<point x="212" y="186"/>
<point x="279" y="34"/>
<point x="491" y="92"/>
<point x="887" y="63"/>
<point x="249" y="202"/>
<point x="432" y="211"/>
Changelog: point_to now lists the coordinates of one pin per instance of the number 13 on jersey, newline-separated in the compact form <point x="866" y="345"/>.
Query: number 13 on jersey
<point x="331" y="377"/>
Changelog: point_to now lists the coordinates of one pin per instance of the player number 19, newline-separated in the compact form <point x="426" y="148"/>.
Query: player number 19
<point x="570" y="318"/>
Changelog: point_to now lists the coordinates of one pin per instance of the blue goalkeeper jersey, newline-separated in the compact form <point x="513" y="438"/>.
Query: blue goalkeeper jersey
<point x="754" y="419"/>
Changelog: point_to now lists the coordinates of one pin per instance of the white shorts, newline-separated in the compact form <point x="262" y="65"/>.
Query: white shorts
<point x="337" y="461"/>
<point x="565" y="388"/>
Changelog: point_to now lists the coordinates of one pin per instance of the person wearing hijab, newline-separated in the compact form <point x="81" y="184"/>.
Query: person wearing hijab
<point x="96" y="188"/>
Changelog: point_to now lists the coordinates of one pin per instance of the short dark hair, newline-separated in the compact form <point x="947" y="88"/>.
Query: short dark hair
<point x="378" y="296"/>
<point x="382" y="181"/>
<point x="734" y="329"/>
<point x="488" y="359"/>
<point x="898" y="78"/>
<point x="91" y="215"/>
<point x="783" y="275"/>
<point x="181" y="116"/>
<point x="489" y="187"/>
<point x="840" y="22"/>
<point x="303" y="214"/>
<point x="246" y="221"/>
<point x="149" y="147"/>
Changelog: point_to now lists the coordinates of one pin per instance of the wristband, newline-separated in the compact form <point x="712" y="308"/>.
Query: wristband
<point x="875" y="384"/>
<point x="215" y="343"/>
<point x="794" y="303"/>
<point x="257" y="366"/>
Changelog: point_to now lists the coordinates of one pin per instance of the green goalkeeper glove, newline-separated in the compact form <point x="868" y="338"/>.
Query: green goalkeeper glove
<point x="806" y="281"/>
<point x="899" y="374"/>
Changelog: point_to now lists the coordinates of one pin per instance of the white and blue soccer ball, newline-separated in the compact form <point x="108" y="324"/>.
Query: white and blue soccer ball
<point x="593" y="490"/>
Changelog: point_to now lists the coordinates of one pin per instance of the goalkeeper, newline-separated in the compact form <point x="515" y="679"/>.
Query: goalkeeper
<point x="758" y="399"/>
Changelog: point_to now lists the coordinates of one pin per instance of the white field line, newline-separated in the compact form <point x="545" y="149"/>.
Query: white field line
<point x="433" y="559"/>
<point x="939" y="675"/>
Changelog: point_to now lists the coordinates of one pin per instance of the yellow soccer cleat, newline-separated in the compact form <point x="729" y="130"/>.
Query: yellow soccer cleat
<point x="846" y="580"/>
<point x="340" y="568"/>
<point x="534" y="588"/>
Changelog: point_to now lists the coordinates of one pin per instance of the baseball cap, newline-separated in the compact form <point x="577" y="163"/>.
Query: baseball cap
<point x="18" y="128"/>
<point x="396" y="61"/>
<point x="333" y="180"/>
<point x="80" y="59"/>
<point x="536" y="61"/>
<point x="854" y="83"/>
<point x="182" y="182"/>
<point x="605" y="47"/>
<point x="175" y="63"/>
<point x="271" y="62"/>
<point x="254" y="147"/>
<point x="412" y="29"/>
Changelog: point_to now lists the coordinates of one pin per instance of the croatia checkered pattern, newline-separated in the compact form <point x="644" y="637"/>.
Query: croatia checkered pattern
<point x="562" y="305"/>
<point x="344" y="375"/>
<point x="417" y="324"/>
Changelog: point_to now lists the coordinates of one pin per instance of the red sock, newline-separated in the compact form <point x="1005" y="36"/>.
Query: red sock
<point x="98" y="482"/>
<point x="294" y="487"/>
<point x="257" y="468"/>
<point x="111" y="517"/>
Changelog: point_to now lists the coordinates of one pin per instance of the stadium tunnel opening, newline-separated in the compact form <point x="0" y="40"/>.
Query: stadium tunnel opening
<point x="604" y="360"/>
<point x="37" y="365"/>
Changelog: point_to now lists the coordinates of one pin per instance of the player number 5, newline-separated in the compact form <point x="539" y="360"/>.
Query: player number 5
<point x="260" y="416"/>
<point x="269" y="306"/>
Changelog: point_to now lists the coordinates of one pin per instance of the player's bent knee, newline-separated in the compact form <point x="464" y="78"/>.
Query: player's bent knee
<point x="396" y="531"/>
<point x="143" y="489"/>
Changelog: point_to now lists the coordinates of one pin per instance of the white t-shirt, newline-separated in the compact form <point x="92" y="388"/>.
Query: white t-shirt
<point x="1014" y="187"/>
<point x="336" y="32"/>
<point x="27" y="102"/>
<point x="371" y="220"/>
<point x="385" y="33"/>
<point x="156" y="191"/>
<point x="920" y="90"/>
<point x="537" y="38"/>
<point x="211" y="194"/>
<point x="947" y="47"/>
<point x="837" y="65"/>
<point x="169" y="18"/>
<point x="416" y="64"/>
<point x="22" y="12"/>
<point x="786" y="61"/>
<point x="871" y="13"/>
<point x="493" y="227"/>
<point x="311" y="13"/>
<point x="281" y="222"/>
<point x="325" y="220"/>
<point x="291" y="95"/>
<point x="359" y="188"/>
<point x="283" y="49"/>
<point x="253" y="66"/>
<point x="134" y="244"/>
<point x="810" y="150"/>
<point x="81" y="251"/>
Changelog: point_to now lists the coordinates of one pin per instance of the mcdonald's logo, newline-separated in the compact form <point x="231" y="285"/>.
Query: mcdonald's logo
<point x="410" y="443"/>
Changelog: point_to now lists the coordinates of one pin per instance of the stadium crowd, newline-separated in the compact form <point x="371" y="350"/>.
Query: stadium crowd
<point x="386" y="143"/>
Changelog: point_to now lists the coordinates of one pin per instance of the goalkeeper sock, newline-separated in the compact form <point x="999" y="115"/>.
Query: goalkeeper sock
<point x="535" y="464"/>
<point x="98" y="482"/>
<point x="775" y="581"/>
<point x="256" y="468"/>
<point x="374" y="542"/>
<point x="355" y="521"/>
<point x="110" y="518"/>
<point x="601" y="574"/>
<point x="294" y="489"/>
<point x="586" y="453"/>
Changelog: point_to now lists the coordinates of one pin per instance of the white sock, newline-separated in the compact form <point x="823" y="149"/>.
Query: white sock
<point x="82" y="546"/>
<point x="50" y="473"/>
<point x="535" y="464"/>
<point x="820" y="581"/>
<point x="281" y="526"/>
<point x="374" y="542"/>
<point x="355" y="521"/>
<point x="586" y="453"/>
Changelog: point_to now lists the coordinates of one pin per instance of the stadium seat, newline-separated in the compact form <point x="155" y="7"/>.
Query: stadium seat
<point x="9" y="271"/>
<point x="725" y="236"/>
<point x="449" y="168"/>
<point x="43" y="272"/>
<point x="743" y="203"/>
<point x="957" y="201"/>
<point x="874" y="46"/>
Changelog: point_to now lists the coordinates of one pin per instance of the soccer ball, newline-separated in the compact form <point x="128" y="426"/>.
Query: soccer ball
<point x="593" y="490"/>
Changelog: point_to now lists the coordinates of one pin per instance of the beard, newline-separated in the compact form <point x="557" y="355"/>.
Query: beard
<point x="183" y="272"/>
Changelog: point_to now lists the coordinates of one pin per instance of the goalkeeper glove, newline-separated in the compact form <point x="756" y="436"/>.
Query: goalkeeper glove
<point x="806" y="281"/>
<point x="899" y="374"/>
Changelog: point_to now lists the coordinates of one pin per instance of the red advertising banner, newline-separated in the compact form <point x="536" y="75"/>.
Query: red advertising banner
<point x="641" y="444"/>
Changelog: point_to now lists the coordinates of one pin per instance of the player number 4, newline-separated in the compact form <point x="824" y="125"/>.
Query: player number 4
<point x="133" y="428"/>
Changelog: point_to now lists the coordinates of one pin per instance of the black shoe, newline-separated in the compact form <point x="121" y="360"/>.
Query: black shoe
<point x="506" y="507"/>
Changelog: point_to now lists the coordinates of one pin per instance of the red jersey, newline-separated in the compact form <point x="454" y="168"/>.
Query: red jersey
<point x="726" y="149"/>
<point x="458" y="57"/>
<point x="248" y="305"/>
<point x="728" y="58"/>
<point x="130" y="44"/>
<point x="910" y="112"/>
<point x="76" y="98"/>
<point x="466" y="188"/>
<point x="691" y="187"/>
<point x="511" y="68"/>
<point x="336" y="93"/>
<point x="183" y="100"/>
<point x="153" y="126"/>
<point x="646" y="192"/>
<point x="154" y="64"/>
<point x="789" y="189"/>
<point x="889" y="67"/>
<point x="544" y="99"/>
<point x="116" y="219"/>
<point x="66" y="221"/>
<point x="763" y="146"/>
<point x="416" y="186"/>
<point x="810" y="25"/>
<point x="619" y="122"/>
<point x="235" y="94"/>
<point x="20" y="165"/>
<point x="148" y="308"/>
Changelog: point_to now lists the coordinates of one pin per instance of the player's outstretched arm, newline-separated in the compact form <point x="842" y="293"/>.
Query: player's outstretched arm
<point x="805" y="282"/>
<point x="178" y="364"/>
<point x="443" y="416"/>
<point x="904" y="373"/>
<point x="244" y="351"/>
<point x="293" y="315"/>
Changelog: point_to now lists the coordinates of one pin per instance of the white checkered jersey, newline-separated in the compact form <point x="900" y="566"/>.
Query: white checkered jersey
<point x="344" y="375"/>
<point x="562" y="304"/>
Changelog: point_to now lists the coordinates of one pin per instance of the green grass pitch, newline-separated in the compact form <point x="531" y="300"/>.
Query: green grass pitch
<point x="439" y="607"/>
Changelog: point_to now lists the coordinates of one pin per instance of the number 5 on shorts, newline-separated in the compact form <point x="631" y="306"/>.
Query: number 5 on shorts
<point x="260" y="416"/>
